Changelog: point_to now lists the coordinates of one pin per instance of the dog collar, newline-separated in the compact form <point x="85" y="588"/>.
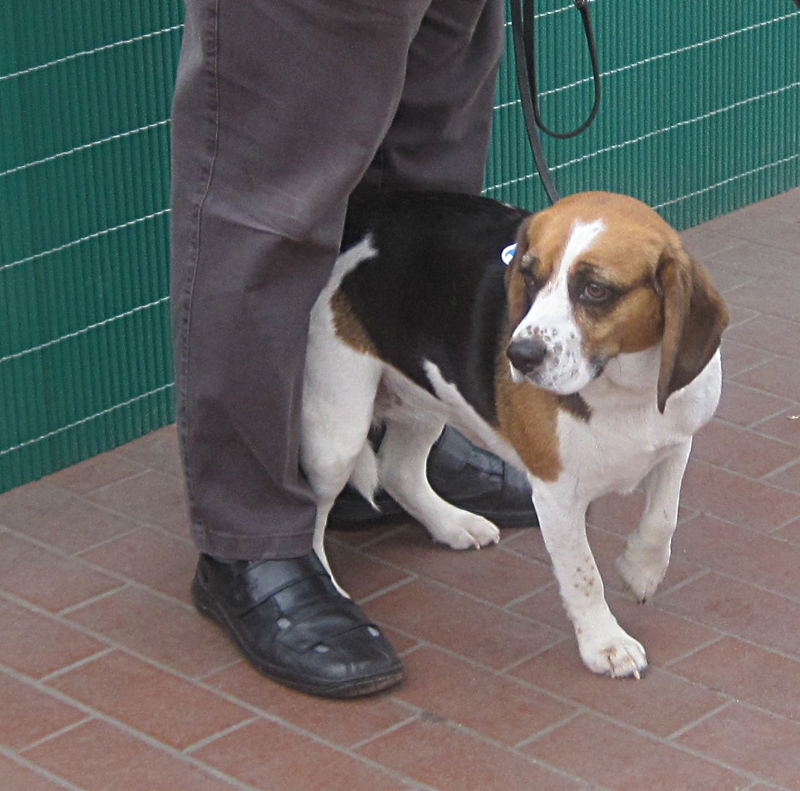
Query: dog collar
<point x="507" y="256"/>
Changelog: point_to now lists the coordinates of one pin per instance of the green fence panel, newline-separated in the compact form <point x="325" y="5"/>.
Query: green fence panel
<point x="85" y="92"/>
<point x="700" y="112"/>
<point x="699" y="117"/>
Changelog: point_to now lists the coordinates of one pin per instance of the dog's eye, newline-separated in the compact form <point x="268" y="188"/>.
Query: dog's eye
<point x="595" y="293"/>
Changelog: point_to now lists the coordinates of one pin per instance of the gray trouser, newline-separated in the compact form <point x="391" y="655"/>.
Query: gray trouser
<point x="281" y="108"/>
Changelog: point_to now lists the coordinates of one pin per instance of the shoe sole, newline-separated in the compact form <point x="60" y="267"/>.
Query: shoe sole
<point x="205" y="605"/>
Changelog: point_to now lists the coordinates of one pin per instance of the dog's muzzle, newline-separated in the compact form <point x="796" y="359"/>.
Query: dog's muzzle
<point x="550" y="365"/>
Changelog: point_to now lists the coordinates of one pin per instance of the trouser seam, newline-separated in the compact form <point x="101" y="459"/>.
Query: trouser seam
<point x="191" y="275"/>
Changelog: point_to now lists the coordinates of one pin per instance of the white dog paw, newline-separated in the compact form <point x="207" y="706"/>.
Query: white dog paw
<point x="643" y="569"/>
<point x="617" y="656"/>
<point x="467" y="531"/>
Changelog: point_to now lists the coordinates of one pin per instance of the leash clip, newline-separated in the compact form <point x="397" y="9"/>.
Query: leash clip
<point x="579" y="4"/>
<point x="507" y="256"/>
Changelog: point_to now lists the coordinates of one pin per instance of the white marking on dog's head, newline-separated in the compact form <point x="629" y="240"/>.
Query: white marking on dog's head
<point x="547" y="345"/>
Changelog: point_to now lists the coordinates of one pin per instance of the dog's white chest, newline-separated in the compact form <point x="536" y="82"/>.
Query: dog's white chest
<point x="612" y="454"/>
<point x="627" y="436"/>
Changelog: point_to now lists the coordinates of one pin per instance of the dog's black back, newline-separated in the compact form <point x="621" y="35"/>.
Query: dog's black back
<point x="435" y="291"/>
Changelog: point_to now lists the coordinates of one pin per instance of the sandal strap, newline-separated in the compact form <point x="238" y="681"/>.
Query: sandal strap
<point x="319" y="625"/>
<point x="255" y="586"/>
<point x="313" y="611"/>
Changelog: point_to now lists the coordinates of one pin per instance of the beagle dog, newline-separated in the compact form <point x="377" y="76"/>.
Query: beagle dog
<point x="589" y="361"/>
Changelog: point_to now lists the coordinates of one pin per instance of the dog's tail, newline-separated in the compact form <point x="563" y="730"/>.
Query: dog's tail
<point x="364" y="477"/>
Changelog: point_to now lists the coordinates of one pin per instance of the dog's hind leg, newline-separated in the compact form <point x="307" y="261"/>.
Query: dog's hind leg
<point x="644" y="561"/>
<point x="402" y="462"/>
<point x="338" y="402"/>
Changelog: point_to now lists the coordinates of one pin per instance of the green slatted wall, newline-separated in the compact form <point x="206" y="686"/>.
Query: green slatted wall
<point x="84" y="151"/>
<point x="700" y="116"/>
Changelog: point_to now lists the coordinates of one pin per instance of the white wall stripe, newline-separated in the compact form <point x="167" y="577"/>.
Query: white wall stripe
<point x="87" y="52"/>
<point x="85" y="420"/>
<point x="660" y="56"/>
<point x="84" y="239"/>
<point x="555" y="11"/>
<point x="543" y="14"/>
<point x="705" y="43"/>
<point x="84" y="330"/>
<point x="711" y="187"/>
<point x="727" y="181"/>
<point x="653" y="133"/>
<point x="84" y="147"/>
<point x="678" y="125"/>
<point x="506" y="104"/>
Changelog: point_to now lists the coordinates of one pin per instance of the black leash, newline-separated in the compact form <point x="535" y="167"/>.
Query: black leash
<point x="523" y="29"/>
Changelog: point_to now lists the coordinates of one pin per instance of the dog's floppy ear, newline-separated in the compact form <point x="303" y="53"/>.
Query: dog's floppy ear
<point x="694" y="317"/>
<point x="518" y="301"/>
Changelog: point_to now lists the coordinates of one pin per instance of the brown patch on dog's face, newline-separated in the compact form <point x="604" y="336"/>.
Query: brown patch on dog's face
<point x="519" y="294"/>
<point x="539" y="247"/>
<point x="616" y="300"/>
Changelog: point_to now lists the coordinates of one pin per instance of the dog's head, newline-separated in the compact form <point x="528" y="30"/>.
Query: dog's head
<point x="598" y="275"/>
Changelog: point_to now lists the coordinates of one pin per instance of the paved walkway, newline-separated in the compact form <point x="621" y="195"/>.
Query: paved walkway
<point x="110" y="680"/>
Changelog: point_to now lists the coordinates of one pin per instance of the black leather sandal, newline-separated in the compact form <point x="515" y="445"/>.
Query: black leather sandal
<point x="293" y="625"/>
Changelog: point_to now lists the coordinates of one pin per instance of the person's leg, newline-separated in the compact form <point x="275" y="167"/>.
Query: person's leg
<point x="278" y="110"/>
<point x="439" y="137"/>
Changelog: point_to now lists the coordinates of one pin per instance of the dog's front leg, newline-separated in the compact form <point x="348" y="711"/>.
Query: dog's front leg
<point x="402" y="471"/>
<point x="644" y="561"/>
<point x="604" y="645"/>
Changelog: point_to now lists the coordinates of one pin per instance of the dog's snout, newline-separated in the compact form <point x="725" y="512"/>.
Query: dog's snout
<point x="526" y="353"/>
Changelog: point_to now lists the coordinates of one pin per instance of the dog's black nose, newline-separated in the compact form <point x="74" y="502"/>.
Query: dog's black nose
<point x="526" y="353"/>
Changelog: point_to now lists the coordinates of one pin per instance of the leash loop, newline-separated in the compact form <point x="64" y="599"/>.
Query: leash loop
<point x="523" y="14"/>
<point x="529" y="39"/>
